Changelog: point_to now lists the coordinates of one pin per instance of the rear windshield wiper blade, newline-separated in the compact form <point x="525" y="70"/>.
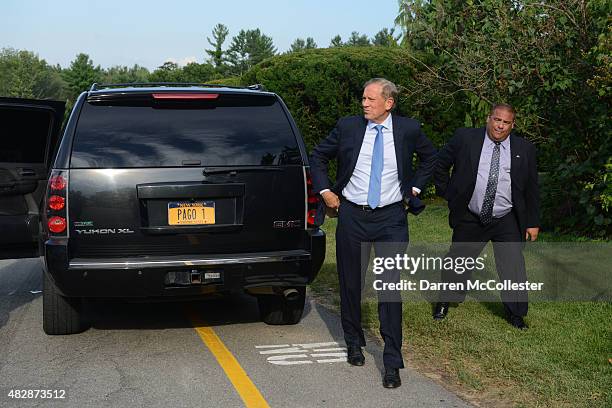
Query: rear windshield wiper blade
<point x="237" y="169"/>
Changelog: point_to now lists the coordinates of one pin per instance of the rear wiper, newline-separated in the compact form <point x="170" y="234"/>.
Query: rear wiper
<point x="191" y="162"/>
<point x="236" y="169"/>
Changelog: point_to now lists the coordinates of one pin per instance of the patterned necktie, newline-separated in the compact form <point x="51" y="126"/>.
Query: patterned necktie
<point x="486" y="213"/>
<point x="376" y="169"/>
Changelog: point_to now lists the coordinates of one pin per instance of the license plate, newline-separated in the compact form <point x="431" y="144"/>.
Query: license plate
<point x="191" y="213"/>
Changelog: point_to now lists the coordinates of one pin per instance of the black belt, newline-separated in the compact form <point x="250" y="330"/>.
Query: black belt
<point x="476" y="216"/>
<point x="367" y="208"/>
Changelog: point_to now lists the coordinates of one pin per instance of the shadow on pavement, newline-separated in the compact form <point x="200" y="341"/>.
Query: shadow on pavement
<point x="121" y="314"/>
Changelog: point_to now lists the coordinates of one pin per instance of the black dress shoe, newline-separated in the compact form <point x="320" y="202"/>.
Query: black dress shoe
<point x="391" y="378"/>
<point x="440" y="311"/>
<point x="355" y="356"/>
<point x="518" y="322"/>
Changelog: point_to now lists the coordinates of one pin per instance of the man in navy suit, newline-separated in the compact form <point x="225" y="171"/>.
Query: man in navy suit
<point x="375" y="176"/>
<point x="493" y="196"/>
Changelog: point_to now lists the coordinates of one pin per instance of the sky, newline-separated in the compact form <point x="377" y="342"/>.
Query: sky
<point x="148" y="33"/>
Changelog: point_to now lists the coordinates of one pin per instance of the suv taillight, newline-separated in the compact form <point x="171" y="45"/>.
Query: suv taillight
<point x="56" y="209"/>
<point x="312" y="201"/>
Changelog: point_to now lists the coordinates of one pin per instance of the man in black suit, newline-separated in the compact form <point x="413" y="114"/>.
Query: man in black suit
<point x="375" y="176"/>
<point x="492" y="195"/>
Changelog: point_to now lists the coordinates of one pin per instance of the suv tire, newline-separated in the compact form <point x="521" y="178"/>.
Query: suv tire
<point x="277" y="310"/>
<point x="61" y="315"/>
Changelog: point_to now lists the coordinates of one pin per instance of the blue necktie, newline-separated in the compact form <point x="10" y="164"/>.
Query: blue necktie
<point x="376" y="169"/>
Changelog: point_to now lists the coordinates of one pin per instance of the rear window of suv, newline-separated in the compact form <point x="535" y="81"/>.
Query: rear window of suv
<point x="228" y="131"/>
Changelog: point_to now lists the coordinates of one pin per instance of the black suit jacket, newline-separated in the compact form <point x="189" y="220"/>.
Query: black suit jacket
<point x="344" y="143"/>
<point x="462" y="153"/>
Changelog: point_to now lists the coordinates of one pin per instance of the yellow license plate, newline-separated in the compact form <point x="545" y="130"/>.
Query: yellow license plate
<point x="191" y="213"/>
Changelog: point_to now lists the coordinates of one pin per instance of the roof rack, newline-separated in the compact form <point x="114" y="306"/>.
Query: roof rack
<point x="96" y="86"/>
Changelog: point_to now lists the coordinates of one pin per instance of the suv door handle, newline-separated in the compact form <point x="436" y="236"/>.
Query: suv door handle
<point x="27" y="173"/>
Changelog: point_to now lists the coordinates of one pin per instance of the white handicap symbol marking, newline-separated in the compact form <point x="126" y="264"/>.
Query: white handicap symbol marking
<point x="283" y="351"/>
<point x="303" y="353"/>
<point x="273" y="346"/>
<point x="284" y="360"/>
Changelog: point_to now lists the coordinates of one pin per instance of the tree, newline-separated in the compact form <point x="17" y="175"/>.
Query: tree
<point x="81" y="75"/>
<point x="539" y="57"/>
<point x="247" y="49"/>
<point x="299" y="44"/>
<point x="358" y="40"/>
<point x="326" y="84"/>
<point x="123" y="74"/>
<point x="194" y="72"/>
<point x="336" y="42"/>
<point x="385" y="38"/>
<point x="24" y="75"/>
<point x="310" y="43"/>
<point x="217" y="57"/>
<point x="167" y="72"/>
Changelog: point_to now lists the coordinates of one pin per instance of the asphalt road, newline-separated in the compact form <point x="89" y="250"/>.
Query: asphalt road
<point x="212" y="353"/>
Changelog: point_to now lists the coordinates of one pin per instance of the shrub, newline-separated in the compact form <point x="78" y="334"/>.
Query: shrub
<point x="322" y="85"/>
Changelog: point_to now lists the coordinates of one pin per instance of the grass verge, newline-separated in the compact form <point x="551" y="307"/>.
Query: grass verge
<point x="563" y="359"/>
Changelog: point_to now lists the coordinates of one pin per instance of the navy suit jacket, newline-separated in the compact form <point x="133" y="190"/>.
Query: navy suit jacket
<point x="344" y="143"/>
<point x="462" y="154"/>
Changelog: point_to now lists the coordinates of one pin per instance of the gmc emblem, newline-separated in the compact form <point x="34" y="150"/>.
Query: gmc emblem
<point x="287" y="224"/>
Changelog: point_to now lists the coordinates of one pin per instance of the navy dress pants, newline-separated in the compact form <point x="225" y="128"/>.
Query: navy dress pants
<point x="469" y="239"/>
<point x="386" y="229"/>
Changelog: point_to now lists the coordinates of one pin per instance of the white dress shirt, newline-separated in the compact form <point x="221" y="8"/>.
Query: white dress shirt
<point x="356" y="190"/>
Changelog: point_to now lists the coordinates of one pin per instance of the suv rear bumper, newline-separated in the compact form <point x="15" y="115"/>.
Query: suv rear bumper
<point x="148" y="276"/>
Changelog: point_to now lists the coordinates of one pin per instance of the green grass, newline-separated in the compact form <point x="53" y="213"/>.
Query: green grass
<point x="561" y="360"/>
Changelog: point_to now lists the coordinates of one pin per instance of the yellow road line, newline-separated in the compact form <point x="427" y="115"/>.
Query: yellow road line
<point x="242" y="383"/>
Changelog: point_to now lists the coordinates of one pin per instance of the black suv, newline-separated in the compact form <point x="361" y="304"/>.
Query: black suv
<point x="175" y="190"/>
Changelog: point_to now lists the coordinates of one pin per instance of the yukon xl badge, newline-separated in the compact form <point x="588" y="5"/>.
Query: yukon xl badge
<point x="287" y="224"/>
<point x="104" y="231"/>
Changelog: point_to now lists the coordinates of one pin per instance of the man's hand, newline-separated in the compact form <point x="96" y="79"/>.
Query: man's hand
<point x="331" y="200"/>
<point x="531" y="234"/>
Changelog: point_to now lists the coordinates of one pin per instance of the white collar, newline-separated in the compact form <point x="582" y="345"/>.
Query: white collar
<point x="505" y="143"/>
<point x="387" y="123"/>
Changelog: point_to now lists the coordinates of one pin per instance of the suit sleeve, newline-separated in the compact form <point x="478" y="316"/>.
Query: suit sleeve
<point x="325" y="151"/>
<point x="446" y="160"/>
<point x="532" y="192"/>
<point x="426" y="153"/>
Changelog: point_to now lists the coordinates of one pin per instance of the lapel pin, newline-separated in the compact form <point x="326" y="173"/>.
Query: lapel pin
<point x="518" y="157"/>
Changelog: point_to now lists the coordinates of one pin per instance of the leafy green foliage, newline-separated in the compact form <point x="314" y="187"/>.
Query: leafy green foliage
<point x="81" y="74"/>
<point x="192" y="72"/>
<point x="217" y="55"/>
<point x="551" y="60"/>
<point x="247" y="49"/>
<point x="386" y="38"/>
<point x="336" y="42"/>
<point x="24" y="75"/>
<point x="122" y="74"/>
<point x="229" y="81"/>
<point x="358" y="40"/>
<point x="300" y="44"/>
<point x="320" y="86"/>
